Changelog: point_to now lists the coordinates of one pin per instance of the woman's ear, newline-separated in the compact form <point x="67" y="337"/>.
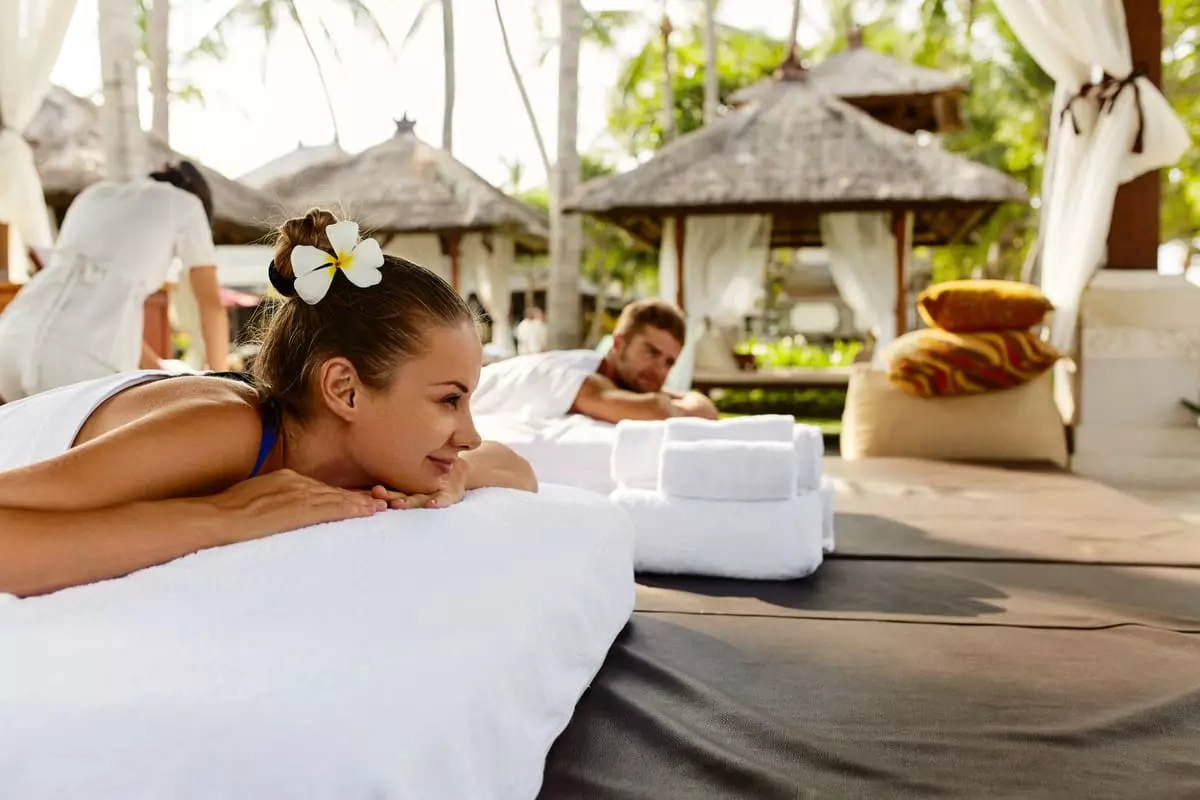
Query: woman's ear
<point x="340" y="387"/>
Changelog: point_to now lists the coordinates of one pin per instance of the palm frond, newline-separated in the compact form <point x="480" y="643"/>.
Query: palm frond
<point x="364" y="17"/>
<point x="417" y="20"/>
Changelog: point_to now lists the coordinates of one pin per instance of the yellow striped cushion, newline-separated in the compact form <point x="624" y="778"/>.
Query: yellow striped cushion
<point x="937" y="363"/>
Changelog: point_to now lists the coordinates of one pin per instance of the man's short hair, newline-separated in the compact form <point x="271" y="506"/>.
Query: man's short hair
<point x="651" y="313"/>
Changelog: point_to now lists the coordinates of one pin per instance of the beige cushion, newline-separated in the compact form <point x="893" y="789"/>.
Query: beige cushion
<point x="1010" y="425"/>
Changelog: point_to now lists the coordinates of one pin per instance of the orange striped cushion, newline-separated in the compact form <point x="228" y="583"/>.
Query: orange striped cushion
<point x="937" y="363"/>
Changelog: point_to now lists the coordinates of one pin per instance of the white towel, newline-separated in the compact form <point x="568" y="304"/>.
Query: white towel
<point x="827" y="492"/>
<point x="726" y="470"/>
<point x="413" y="654"/>
<point x="636" y="453"/>
<point x="810" y="456"/>
<point x="770" y="540"/>
<point x="761" y="428"/>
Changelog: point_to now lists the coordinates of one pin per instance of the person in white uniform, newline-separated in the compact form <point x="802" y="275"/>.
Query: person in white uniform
<point x="358" y="402"/>
<point x="627" y="383"/>
<point x="82" y="316"/>
<point x="531" y="332"/>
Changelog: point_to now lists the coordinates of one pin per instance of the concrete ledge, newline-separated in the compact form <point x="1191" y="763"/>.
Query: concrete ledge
<point x="1152" y="472"/>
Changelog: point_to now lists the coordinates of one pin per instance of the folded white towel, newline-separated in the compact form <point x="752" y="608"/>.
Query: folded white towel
<point x="761" y="428"/>
<point x="727" y="470"/>
<point x="827" y="492"/>
<point x="810" y="456"/>
<point x="770" y="540"/>
<point x="636" y="452"/>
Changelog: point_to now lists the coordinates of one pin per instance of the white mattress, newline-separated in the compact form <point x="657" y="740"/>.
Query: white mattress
<point x="574" y="450"/>
<point x="418" y="654"/>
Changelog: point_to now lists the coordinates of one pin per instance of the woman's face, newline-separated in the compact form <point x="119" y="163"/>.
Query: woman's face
<point x="408" y="436"/>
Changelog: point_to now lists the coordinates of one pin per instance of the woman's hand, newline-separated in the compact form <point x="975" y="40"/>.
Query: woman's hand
<point x="454" y="487"/>
<point x="285" y="501"/>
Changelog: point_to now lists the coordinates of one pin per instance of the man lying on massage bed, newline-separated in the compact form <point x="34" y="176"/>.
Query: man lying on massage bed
<point x="627" y="383"/>
<point x="359" y="402"/>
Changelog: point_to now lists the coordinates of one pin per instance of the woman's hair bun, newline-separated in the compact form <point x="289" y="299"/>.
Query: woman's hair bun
<point x="307" y="230"/>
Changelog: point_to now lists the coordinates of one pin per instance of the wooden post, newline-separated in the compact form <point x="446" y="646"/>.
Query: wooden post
<point x="1133" y="235"/>
<point x="900" y="237"/>
<point x="156" y="324"/>
<point x="680" y="236"/>
<point x="4" y="246"/>
<point x="452" y="245"/>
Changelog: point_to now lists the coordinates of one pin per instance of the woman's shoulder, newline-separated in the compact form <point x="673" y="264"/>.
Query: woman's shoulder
<point x="209" y="405"/>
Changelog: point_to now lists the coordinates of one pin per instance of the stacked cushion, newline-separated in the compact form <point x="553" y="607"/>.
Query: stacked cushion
<point x="979" y="340"/>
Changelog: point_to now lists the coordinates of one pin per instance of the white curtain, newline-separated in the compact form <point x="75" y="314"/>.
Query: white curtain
<point x="31" y="37"/>
<point x="1102" y="140"/>
<point x="862" y="263"/>
<point x="422" y="249"/>
<point x="724" y="268"/>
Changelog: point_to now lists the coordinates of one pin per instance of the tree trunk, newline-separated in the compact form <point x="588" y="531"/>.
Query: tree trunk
<point x="312" y="51"/>
<point x="158" y="29"/>
<point x="566" y="231"/>
<point x="711" y="98"/>
<point x="793" y="30"/>
<point x="448" y="66"/>
<point x="668" y="90"/>
<point x="124" y="152"/>
<point x="596" y="329"/>
<point x="516" y="73"/>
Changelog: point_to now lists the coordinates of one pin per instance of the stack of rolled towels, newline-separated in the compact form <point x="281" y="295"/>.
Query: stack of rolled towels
<point x="736" y="498"/>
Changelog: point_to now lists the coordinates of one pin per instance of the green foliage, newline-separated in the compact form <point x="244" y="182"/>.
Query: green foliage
<point x="635" y="105"/>
<point x="813" y="404"/>
<point x="1181" y="83"/>
<point x="788" y="352"/>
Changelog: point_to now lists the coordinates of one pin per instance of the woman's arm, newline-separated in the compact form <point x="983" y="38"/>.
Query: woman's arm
<point x="214" y="322"/>
<point x="108" y="507"/>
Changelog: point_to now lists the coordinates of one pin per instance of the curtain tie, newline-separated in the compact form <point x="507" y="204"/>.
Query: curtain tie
<point x="1069" y="109"/>
<point x="1111" y="89"/>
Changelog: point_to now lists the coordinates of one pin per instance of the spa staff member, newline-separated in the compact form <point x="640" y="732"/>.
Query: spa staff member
<point x="81" y="317"/>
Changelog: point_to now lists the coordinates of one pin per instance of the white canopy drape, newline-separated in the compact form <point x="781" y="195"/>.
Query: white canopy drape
<point x="1111" y="130"/>
<point x="31" y="37"/>
<point x="862" y="263"/>
<point x="724" y="266"/>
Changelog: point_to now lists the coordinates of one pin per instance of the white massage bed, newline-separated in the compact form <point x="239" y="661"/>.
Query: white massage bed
<point x="417" y="654"/>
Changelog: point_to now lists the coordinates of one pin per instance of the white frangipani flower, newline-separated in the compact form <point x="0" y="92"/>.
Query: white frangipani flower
<point x="314" y="268"/>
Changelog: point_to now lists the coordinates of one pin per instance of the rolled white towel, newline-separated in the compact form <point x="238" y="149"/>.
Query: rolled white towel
<point x="770" y="540"/>
<point x="761" y="428"/>
<point x="636" y="453"/>
<point x="810" y="456"/>
<point x="828" y="492"/>
<point x="728" y="470"/>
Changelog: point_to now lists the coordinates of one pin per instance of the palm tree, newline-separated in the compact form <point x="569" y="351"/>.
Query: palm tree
<point x="711" y="79"/>
<point x="668" y="90"/>
<point x="447" y="63"/>
<point x="123" y="143"/>
<point x="566" y="232"/>
<point x="158" y="26"/>
<point x="266" y="15"/>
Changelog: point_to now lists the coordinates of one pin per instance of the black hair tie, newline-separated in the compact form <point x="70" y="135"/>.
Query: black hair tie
<point x="285" y="286"/>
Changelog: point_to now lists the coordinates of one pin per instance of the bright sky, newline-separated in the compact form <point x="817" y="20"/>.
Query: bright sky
<point x="260" y="103"/>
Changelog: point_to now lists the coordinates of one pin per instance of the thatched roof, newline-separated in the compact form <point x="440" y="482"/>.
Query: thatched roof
<point x="404" y="185"/>
<point x="796" y="153"/>
<point x="69" y="150"/>
<point x="904" y="95"/>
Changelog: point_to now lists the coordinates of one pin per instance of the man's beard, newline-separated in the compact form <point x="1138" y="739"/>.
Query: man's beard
<point x="619" y="380"/>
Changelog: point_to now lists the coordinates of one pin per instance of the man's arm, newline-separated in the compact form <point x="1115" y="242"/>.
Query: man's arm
<point x="599" y="398"/>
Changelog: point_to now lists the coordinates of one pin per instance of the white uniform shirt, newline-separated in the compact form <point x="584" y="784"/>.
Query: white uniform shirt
<point x="115" y="249"/>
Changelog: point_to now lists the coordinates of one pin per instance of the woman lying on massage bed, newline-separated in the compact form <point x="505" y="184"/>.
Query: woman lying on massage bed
<point x="363" y="382"/>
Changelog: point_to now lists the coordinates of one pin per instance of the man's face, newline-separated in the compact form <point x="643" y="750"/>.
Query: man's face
<point x="642" y="361"/>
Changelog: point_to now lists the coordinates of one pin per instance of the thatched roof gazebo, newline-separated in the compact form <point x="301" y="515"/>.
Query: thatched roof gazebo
<point x="799" y="160"/>
<point x="425" y="205"/>
<point x="903" y="95"/>
<point x="68" y="148"/>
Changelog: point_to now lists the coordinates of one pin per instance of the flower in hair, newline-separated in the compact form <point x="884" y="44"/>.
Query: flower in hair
<point x="314" y="268"/>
